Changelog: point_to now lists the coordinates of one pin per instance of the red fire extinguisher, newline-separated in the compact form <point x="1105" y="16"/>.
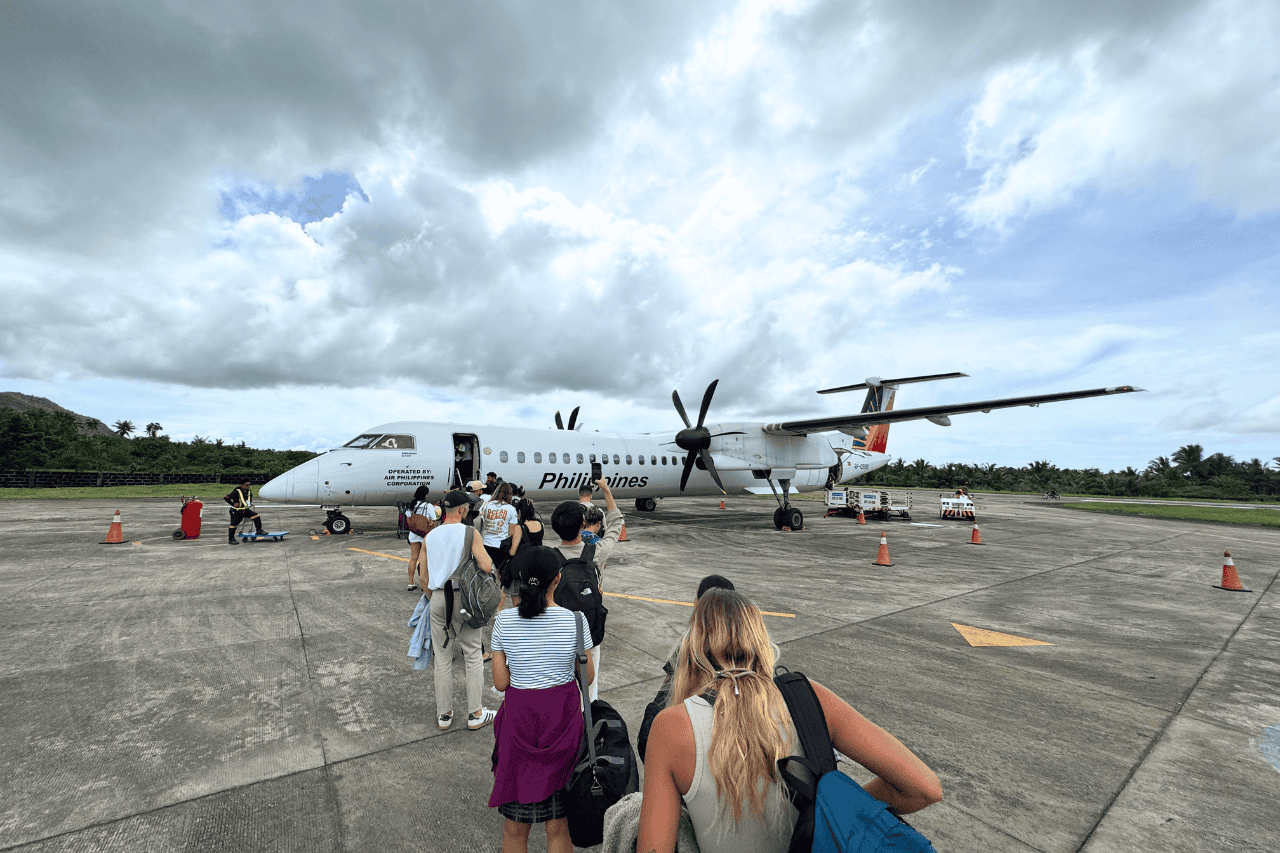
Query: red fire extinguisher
<point x="192" y="512"/>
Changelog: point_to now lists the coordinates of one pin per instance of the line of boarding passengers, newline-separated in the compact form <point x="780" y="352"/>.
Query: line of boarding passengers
<point x="713" y="748"/>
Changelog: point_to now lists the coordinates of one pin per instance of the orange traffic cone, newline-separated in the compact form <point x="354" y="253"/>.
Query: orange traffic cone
<point x="115" y="533"/>
<point x="862" y="519"/>
<point x="722" y="504"/>
<point x="882" y="556"/>
<point x="976" y="537"/>
<point x="623" y="536"/>
<point x="1230" y="580"/>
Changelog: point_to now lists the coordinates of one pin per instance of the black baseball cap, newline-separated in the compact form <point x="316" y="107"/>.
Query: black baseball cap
<point x="457" y="498"/>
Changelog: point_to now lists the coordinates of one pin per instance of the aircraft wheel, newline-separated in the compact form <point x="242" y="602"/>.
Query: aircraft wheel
<point x="777" y="518"/>
<point x="338" y="524"/>
<point x="178" y="535"/>
<point x="646" y="504"/>
<point x="794" y="518"/>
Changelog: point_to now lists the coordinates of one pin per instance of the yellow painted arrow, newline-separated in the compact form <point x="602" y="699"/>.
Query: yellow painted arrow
<point x="983" y="637"/>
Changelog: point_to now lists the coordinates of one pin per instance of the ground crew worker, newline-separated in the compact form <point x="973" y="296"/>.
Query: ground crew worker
<point x="240" y="500"/>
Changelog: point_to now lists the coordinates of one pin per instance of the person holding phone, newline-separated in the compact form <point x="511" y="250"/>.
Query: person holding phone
<point x="568" y="521"/>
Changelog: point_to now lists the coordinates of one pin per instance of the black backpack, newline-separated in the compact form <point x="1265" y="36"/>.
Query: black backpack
<point x="579" y="590"/>
<point x="605" y="770"/>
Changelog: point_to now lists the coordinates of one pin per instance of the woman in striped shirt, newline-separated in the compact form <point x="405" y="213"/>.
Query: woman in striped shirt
<point x="539" y="726"/>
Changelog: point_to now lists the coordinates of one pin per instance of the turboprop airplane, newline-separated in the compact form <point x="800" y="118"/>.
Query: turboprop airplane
<point x="385" y="464"/>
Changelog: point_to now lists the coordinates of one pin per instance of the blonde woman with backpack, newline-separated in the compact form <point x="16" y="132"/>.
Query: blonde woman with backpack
<point x="717" y="744"/>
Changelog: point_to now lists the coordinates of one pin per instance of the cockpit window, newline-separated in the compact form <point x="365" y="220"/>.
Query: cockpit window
<point x="379" y="441"/>
<point x="394" y="442"/>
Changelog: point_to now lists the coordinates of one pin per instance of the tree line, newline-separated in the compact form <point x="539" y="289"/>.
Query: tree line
<point x="1188" y="473"/>
<point x="39" y="439"/>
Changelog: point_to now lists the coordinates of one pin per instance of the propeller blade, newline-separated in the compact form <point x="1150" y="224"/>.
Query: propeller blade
<point x="675" y="398"/>
<point x="706" y="401"/>
<point x="711" y="469"/>
<point x="559" y="423"/>
<point x="573" y="417"/>
<point x="688" y="466"/>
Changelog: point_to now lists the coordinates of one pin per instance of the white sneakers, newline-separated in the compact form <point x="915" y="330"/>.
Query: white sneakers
<point x="485" y="718"/>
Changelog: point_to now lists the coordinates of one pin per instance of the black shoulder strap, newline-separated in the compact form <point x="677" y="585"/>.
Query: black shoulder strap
<point x="589" y="552"/>
<point x="809" y="721"/>
<point x="802" y="774"/>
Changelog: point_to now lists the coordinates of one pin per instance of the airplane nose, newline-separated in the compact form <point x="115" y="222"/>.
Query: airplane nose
<point x="276" y="489"/>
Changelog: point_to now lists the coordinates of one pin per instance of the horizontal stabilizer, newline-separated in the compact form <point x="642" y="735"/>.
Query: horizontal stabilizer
<point x="933" y="412"/>
<point x="876" y="382"/>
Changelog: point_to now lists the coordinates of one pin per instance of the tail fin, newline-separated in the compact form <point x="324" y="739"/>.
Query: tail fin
<point x="880" y="394"/>
<point x="878" y="400"/>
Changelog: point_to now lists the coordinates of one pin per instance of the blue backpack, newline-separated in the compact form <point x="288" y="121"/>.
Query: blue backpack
<point x="836" y="814"/>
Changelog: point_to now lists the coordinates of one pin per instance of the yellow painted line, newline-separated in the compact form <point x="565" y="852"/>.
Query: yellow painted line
<point x="983" y="637"/>
<point x="612" y="594"/>
<point x="380" y="554"/>
<point x="684" y="603"/>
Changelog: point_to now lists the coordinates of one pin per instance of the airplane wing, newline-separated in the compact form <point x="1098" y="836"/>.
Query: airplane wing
<point x="937" y="414"/>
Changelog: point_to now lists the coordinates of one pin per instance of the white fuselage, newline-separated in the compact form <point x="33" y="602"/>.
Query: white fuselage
<point x="551" y="464"/>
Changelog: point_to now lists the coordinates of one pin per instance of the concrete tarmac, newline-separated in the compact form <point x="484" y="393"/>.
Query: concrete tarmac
<point x="190" y="696"/>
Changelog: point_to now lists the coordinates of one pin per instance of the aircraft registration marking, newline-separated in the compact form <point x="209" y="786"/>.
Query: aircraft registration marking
<point x="982" y="637"/>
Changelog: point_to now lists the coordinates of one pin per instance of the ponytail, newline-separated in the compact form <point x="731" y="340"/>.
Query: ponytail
<point x="535" y="571"/>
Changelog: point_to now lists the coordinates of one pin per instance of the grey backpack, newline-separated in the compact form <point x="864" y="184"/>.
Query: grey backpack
<point x="478" y="593"/>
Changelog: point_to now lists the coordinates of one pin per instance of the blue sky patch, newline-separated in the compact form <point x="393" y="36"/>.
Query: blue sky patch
<point x="317" y="198"/>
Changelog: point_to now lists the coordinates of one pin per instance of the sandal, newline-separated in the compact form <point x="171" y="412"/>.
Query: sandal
<point x="412" y="587"/>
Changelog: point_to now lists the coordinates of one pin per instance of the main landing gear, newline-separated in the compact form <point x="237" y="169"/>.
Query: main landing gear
<point x="786" y="515"/>
<point x="646" y="504"/>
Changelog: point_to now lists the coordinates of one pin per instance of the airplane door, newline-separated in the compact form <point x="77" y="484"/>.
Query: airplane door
<point x="466" y="456"/>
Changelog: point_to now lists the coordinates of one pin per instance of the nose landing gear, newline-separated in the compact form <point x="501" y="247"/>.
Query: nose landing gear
<point x="337" y="523"/>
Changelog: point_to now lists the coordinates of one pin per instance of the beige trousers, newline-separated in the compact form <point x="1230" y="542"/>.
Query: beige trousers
<point x="466" y="640"/>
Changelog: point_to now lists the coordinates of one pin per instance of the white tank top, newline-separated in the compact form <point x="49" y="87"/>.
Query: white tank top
<point x="713" y="823"/>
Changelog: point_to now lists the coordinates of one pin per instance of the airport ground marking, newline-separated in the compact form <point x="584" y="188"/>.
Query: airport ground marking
<point x="380" y="554"/>
<point x="613" y="594"/>
<point x="983" y="637"/>
<point x="685" y="603"/>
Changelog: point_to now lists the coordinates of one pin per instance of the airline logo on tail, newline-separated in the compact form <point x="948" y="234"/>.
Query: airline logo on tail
<point x="879" y="399"/>
<point x="880" y="395"/>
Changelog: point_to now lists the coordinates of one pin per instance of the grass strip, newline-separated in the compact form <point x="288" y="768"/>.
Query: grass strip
<point x="206" y="491"/>
<point x="1223" y="515"/>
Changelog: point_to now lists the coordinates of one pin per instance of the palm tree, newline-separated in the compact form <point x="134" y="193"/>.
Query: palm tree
<point x="1190" y="460"/>
<point x="123" y="428"/>
<point x="153" y="429"/>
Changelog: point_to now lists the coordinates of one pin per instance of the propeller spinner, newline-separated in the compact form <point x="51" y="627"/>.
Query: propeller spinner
<point x="697" y="439"/>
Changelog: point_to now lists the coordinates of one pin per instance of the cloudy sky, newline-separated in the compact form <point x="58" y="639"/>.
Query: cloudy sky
<point x="285" y="223"/>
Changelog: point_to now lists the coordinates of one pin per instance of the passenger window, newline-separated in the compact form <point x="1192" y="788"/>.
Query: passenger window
<point x="628" y="458"/>
<point x="653" y="459"/>
<point x="664" y="460"/>
<point x="593" y="458"/>
<point x="551" y="457"/>
<point x="615" y="459"/>
<point x="537" y="458"/>
<point x="641" y="460"/>
<point x="502" y="456"/>
<point x="520" y="456"/>
<point x="579" y="458"/>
